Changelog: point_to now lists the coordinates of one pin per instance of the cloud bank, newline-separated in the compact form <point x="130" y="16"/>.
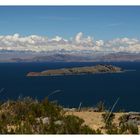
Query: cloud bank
<point x="79" y="43"/>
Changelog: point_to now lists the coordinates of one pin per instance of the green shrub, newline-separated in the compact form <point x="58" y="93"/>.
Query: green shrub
<point x="72" y="124"/>
<point x="86" y="130"/>
<point x="25" y="116"/>
<point x="75" y="125"/>
<point x="110" y="127"/>
<point x="126" y="126"/>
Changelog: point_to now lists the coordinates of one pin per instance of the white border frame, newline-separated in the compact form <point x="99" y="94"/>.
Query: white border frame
<point x="70" y="2"/>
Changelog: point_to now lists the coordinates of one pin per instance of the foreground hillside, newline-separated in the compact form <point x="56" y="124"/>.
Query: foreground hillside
<point x="29" y="116"/>
<point x="95" y="120"/>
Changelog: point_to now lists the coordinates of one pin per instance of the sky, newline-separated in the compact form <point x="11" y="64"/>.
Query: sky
<point x="99" y="21"/>
<point x="50" y="28"/>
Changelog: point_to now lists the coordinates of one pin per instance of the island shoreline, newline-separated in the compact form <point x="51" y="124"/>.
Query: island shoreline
<point x="86" y="70"/>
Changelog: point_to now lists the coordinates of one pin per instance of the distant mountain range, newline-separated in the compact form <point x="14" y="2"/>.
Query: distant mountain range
<point x="121" y="57"/>
<point x="112" y="57"/>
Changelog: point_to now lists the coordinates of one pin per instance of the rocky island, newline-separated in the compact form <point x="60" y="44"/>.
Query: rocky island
<point x="78" y="70"/>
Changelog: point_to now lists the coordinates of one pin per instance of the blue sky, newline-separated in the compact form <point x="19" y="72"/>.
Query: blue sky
<point x="101" y="22"/>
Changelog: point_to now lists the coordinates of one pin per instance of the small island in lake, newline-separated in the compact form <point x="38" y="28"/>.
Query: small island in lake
<point x="78" y="70"/>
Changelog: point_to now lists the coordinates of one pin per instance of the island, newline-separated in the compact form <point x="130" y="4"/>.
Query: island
<point x="78" y="70"/>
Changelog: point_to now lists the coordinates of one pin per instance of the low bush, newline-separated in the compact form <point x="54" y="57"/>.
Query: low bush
<point x="110" y="127"/>
<point x="28" y="116"/>
<point x="126" y="126"/>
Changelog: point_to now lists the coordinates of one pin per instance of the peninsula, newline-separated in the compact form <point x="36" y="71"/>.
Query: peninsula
<point x="78" y="70"/>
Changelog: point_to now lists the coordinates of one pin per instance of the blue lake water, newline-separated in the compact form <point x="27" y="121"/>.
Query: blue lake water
<point x="73" y="89"/>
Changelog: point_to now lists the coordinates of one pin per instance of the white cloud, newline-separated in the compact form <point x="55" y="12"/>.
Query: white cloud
<point x="79" y="37"/>
<point x="80" y="42"/>
<point x="99" y="43"/>
<point x="124" y="45"/>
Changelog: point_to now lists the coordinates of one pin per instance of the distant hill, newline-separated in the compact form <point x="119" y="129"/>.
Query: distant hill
<point x="111" y="57"/>
<point x="57" y="58"/>
<point x="121" y="57"/>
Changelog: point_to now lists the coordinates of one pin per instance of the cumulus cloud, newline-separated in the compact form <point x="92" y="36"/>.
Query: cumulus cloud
<point x="78" y="43"/>
<point x="78" y="37"/>
<point x="131" y="45"/>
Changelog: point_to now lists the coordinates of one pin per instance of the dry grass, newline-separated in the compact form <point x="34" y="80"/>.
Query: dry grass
<point x="94" y="119"/>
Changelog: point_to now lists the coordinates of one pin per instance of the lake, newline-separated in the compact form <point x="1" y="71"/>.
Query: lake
<point x="70" y="90"/>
